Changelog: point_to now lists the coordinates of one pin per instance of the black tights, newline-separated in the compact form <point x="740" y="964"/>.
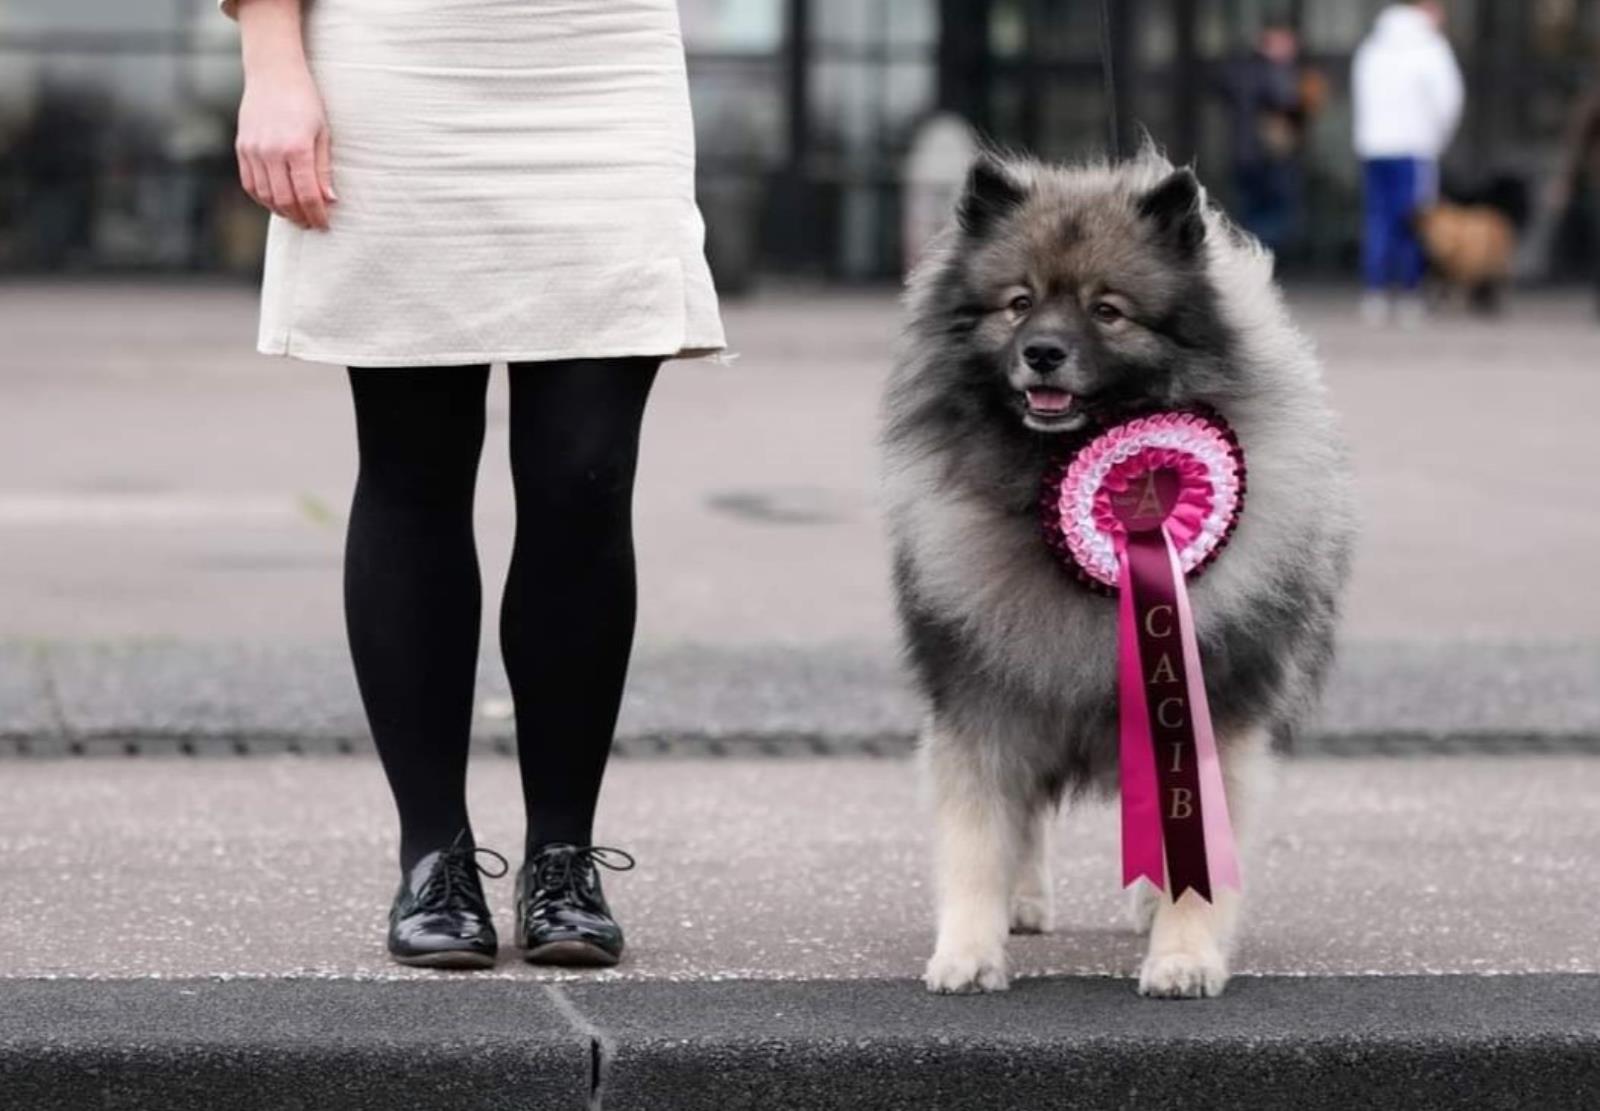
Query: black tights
<point x="413" y="597"/>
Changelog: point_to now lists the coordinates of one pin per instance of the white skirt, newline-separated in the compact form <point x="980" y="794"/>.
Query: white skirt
<point x="516" y="183"/>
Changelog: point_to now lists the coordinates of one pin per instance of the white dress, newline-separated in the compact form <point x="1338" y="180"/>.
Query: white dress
<point x="516" y="183"/>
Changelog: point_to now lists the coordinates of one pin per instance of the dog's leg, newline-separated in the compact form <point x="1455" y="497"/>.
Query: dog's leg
<point x="980" y="830"/>
<point x="1143" y="898"/>
<point x="1190" y="940"/>
<point x="1032" y="904"/>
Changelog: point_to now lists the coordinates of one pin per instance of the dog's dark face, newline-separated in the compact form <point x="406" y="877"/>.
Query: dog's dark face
<point x="1076" y="300"/>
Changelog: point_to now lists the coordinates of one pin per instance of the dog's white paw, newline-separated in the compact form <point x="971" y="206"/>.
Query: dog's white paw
<point x="963" y="970"/>
<point x="1143" y="898"/>
<point x="1179" y="974"/>
<point x="1031" y="915"/>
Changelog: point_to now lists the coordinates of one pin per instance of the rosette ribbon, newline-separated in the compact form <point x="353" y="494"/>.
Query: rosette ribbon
<point x="1137" y="510"/>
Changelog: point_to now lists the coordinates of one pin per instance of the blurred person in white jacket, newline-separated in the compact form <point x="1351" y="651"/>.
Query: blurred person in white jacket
<point x="1408" y="95"/>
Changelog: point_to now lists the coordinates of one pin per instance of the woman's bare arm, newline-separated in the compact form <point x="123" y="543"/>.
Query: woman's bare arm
<point x="283" y="143"/>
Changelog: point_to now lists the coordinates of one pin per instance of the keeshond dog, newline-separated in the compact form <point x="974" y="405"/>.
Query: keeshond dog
<point x="1062" y="298"/>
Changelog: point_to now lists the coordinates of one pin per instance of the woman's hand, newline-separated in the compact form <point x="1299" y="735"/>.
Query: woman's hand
<point x="283" y="144"/>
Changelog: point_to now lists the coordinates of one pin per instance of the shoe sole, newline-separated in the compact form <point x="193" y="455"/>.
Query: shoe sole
<point x="456" y="959"/>
<point x="580" y="954"/>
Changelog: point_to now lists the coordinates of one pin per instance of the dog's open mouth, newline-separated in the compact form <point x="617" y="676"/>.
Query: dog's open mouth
<point x="1050" y="409"/>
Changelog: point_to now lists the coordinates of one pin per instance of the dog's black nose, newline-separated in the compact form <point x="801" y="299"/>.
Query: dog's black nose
<point x="1044" y="355"/>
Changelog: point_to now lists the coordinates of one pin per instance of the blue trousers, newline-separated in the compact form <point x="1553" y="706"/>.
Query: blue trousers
<point x="1391" y="254"/>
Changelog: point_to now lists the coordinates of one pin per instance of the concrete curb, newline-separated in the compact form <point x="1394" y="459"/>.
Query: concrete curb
<point x="171" y="1045"/>
<point x="69" y="699"/>
<point x="1400" y="1043"/>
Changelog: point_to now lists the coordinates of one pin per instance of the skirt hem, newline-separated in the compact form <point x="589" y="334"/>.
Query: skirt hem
<point x="687" y="350"/>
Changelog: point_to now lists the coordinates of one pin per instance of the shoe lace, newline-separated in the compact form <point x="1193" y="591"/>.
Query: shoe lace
<point x="557" y="864"/>
<point x="453" y="884"/>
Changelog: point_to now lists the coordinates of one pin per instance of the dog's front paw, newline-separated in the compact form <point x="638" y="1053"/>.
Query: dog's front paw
<point x="967" y="969"/>
<point x="1184" y="975"/>
<point x="1031" y="915"/>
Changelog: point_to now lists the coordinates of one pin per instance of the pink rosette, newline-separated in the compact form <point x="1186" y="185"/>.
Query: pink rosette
<point x="1199" y="449"/>
<point x="1136" y="511"/>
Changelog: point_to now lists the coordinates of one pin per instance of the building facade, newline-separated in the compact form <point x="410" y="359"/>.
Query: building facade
<point x="116" y="115"/>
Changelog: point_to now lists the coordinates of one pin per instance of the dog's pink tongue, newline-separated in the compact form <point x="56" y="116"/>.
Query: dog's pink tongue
<point x="1045" y="399"/>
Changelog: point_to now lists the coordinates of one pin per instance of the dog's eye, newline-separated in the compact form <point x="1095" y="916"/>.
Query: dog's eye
<point x="1105" y="312"/>
<point x="1020" y="304"/>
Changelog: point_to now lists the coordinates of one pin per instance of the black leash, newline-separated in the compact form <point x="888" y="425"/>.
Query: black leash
<point x="1113" y="133"/>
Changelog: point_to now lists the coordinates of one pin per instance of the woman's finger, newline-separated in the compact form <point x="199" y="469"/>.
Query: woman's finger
<point x="249" y="178"/>
<point x="325" y="165"/>
<point x="307" y="190"/>
<point x="283" y="202"/>
<point x="246" y="176"/>
<point x="260" y="181"/>
<point x="253" y="175"/>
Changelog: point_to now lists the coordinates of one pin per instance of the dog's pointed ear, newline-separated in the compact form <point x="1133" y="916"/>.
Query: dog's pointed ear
<point x="989" y="194"/>
<point x="1173" y="207"/>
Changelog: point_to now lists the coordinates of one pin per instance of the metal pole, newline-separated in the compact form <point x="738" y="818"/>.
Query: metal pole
<point x="798" y="49"/>
<point x="1117" y="58"/>
<point x="1108" y="73"/>
<point x="963" y="60"/>
<point x="792" y="202"/>
<point x="1189" y="81"/>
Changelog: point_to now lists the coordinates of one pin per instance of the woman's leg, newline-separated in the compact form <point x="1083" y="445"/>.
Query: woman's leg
<point x="412" y="594"/>
<point x="566" y="622"/>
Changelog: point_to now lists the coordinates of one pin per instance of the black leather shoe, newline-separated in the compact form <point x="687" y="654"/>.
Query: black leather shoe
<point x="440" y="918"/>
<point x="562" y="916"/>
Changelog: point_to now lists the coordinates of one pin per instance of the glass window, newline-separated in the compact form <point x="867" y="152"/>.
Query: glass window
<point x="846" y="22"/>
<point x="1008" y="28"/>
<point x="842" y="108"/>
<point x="909" y="91"/>
<point x="214" y="78"/>
<point x="1155" y="37"/>
<point x="893" y="24"/>
<point x="208" y="28"/>
<point x="1336" y="26"/>
<point x="101" y="153"/>
<point x="1068" y="31"/>
<point x="1214" y="29"/>
<point x="32" y="16"/>
<point x="1072" y="120"/>
<point x="744" y="26"/>
<point x="739" y="116"/>
<point x="1008" y="111"/>
<point x="872" y="76"/>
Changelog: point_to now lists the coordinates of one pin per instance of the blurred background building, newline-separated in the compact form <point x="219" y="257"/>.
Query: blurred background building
<point x="116" y="117"/>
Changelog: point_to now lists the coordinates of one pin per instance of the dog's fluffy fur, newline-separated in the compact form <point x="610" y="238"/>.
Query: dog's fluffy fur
<point x="1470" y="249"/>
<point x="1015" y="658"/>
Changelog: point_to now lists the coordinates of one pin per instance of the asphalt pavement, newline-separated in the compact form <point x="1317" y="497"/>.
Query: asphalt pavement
<point x="160" y="480"/>
<point x="787" y="869"/>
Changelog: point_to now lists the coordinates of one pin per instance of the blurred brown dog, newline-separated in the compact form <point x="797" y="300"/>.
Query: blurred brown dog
<point x="1470" y="249"/>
